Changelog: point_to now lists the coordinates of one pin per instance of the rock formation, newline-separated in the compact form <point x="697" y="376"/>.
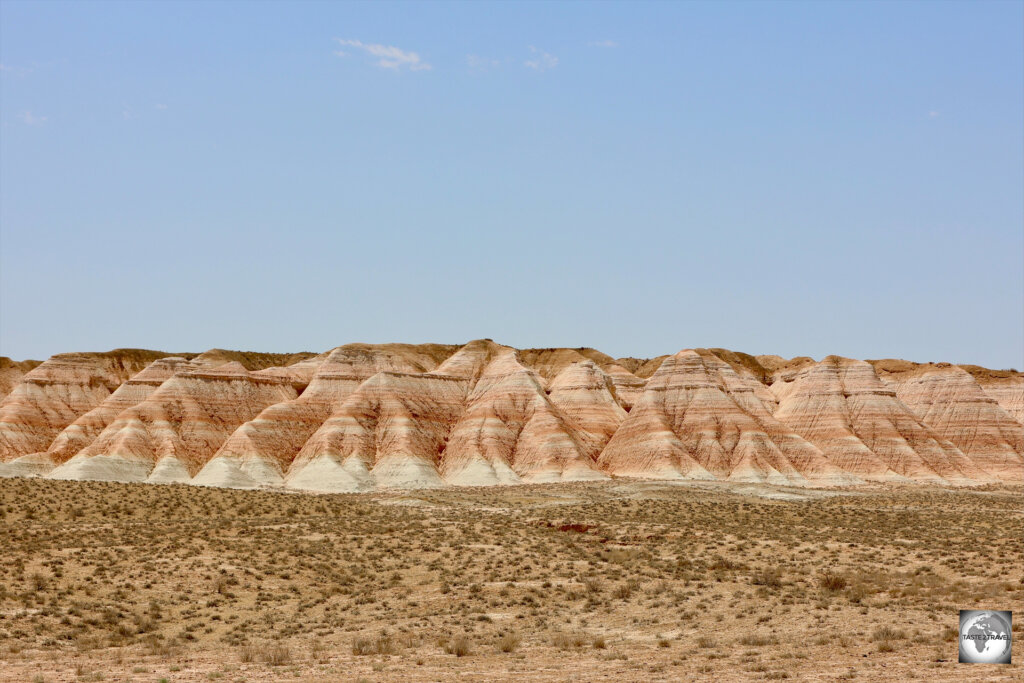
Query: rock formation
<point x="947" y="399"/>
<point x="261" y="451"/>
<point x="698" y="418"/>
<point x="510" y="430"/>
<point x="170" y="435"/>
<point x="12" y="371"/>
<point x="55" y="393"/>
<point x="364" y="416"/>
<point x="841" y="406"/>
<point x="1005" y="386"/>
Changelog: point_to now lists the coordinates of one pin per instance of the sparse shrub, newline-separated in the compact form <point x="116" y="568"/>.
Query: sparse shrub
<point x="38" y="581"/>
<point x="754" y="640"/>
<point x="624" y="591"/>
<point x="565" y="641"/>
<point x="248" y="653"/>
<point x="509" y="642"/>
<point x="458" y="646"/>
<point x="722" y="563"/>
<point x="362" y="647"/>
<point x="886" y="633"/>
<point x="832" y="581"/>
<point x="770" y="577"/>
<point x="383" y="644"/>
<point x="277" y="655"/>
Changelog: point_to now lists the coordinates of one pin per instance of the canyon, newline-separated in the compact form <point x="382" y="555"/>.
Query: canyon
<point x="362" y="417"/>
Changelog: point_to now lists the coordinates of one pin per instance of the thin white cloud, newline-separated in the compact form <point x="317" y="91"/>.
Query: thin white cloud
<point x="160" y="105"/>
<point x="31" y="119"/>
<point x="388" y="56"/>
<point x="933" y="114"/>
<point x="478" y="63"/>
<point x="603" y="43"/>
<point x="541" y="60"/>
<point x="15" y="70"/>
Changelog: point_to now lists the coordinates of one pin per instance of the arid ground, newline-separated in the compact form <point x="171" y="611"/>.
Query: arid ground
<point x="601" y="581"/>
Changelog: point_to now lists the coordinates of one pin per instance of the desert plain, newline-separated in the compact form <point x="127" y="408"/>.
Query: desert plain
<point x="608" y="580"/>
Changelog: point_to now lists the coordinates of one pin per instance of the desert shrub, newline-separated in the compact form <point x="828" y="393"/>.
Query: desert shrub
<point x="755" y="640"/>
<point x="770" y="577"/>
<point x="886" y="633"/>
<point x="38" y="581"/>
<point x="248" y="653"/>
<point x="722" y="563"/>
<point x="509" y="642"/>
<point x="565" y="641"/>
<point x="832" y="581"/>
<point x="278" y="655"/>
<point x="363" y="646"/>
<point x="624" y="591"/>
<point x="458" y="646"/>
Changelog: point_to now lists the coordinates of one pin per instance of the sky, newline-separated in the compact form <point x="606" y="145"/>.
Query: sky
<point x="794" y="178"/>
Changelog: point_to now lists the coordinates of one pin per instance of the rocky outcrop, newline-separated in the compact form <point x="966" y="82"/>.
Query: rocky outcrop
<point x="391" y="431"/>
<point x="510" y="431"/>
<point x="133" y="391"/>
<point x="841" y="406"/>
<point x="549" y="363"/>
<point x="364" y="416"/>
<point x="54" y="394"/>
<point x="585" y="396"/>
<point x="171" y="434"/>
<point x="698" y="419"/>
<point x="1005" y="386"/>
<point x="261" y="451"/>
<point x="12" y="371"/>
<point x="947" y="399"/>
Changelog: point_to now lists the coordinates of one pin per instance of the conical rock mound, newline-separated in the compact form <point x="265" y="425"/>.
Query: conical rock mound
<point x="260" y="452"/>
<point x="510" y="430"/>
<point x="948" y="400"/>
<point x="390" y="432"/>
<point x="185" y="420"/>
<point x="841" y="406"/>
<point x="583" y="394"/>
<point x="697" y="419"/>
<point x="57" y="392"/>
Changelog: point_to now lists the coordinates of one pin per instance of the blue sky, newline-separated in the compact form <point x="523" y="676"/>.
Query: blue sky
<point x="798" y="178"/>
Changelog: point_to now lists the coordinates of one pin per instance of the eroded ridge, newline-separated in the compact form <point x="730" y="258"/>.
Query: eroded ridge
<point x="361" y="417"/>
